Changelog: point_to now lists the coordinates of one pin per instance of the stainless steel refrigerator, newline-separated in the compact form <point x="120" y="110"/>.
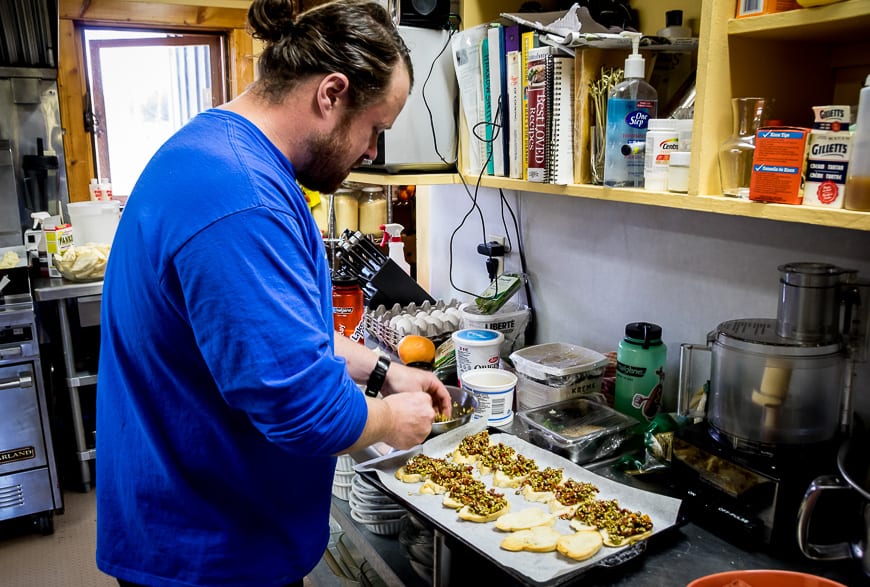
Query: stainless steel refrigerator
<point x="32" y="179"/>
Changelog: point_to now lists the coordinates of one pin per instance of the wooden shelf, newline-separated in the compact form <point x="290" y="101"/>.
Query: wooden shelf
<point x="846" y="22"/>
<point x="847" y="219"/>
<point x="377" y="178"/>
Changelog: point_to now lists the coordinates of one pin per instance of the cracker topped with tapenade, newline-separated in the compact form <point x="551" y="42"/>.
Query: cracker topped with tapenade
<point x="471" y="447"/>
<point x="418" y="468"/>
<point x="495" y="457"/>
<point x="619" y="526"/>
<point x="539" y="485"/>
<point x="512" y="473"/>
<point x="442" y="478"/>
<point x="571" y="493"/>
<point x="486" y="506"/>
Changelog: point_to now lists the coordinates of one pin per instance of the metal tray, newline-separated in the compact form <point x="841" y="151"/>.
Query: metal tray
<point x="542" y="569"/>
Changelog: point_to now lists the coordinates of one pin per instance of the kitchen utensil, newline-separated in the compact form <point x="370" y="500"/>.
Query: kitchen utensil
<point x="853" y="462"/>
<point x="809" y="301"/>
<point x="464" y="406"/>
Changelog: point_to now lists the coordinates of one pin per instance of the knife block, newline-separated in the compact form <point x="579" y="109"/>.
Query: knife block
<point x="390" y="285"/>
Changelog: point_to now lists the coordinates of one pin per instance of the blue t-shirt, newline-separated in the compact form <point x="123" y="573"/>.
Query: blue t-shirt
<point x="219" y="398"/>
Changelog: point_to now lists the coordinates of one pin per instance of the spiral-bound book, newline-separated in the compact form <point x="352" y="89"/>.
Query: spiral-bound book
<point x="539" y="74"/>
<point x="560" y="160"/>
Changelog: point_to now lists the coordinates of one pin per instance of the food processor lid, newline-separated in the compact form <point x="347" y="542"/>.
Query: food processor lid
<point x="759" y="335"/>
<point x="810" y="274"/>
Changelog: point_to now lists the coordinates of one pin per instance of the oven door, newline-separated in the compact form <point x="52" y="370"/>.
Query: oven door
<point x="22" y="443"/>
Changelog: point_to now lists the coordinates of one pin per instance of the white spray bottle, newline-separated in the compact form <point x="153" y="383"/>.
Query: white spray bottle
<point x="393" y="236"/>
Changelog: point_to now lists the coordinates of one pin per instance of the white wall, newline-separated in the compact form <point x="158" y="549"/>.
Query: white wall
<point x="597" y="265"/>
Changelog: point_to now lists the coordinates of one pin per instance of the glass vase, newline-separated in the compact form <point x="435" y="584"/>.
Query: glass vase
<point x="735" y="154"/>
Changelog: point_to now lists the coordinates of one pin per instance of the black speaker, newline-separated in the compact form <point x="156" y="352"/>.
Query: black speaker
<point x="427" y="14"/>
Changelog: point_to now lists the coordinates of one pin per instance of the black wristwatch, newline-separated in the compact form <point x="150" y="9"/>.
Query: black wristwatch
<point x="379" y="374"/>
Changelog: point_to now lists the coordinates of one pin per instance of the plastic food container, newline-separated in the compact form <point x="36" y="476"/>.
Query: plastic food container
<point x="511" y="320"/>
<point x="578" y="429"/>
<point x="556" y="371"/>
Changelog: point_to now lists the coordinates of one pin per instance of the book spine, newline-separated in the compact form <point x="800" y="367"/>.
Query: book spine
<point x="528" y="41"/>
<point x="562" y="142"/>
<point x="497" y="114"/>
<point x="536" y="74"/>
<point x="487" y="110"/>
<point x="516" y="154"/>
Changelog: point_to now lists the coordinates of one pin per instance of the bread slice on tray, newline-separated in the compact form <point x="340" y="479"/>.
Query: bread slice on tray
<point x="537" y="539"/>
<point x="525" y="519"/>
<point x="580" y="545"/>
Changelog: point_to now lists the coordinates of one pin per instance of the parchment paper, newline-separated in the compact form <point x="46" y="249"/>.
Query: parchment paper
<point x="540" y="568"/>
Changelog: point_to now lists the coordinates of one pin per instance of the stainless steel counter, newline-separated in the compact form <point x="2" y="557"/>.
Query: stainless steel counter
<point x="672" y="558"/>
<point x="88" y="296"/>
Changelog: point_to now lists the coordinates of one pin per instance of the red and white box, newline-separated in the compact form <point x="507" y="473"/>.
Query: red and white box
<point x="827" y="164"/>
<point x="778" y="164"/>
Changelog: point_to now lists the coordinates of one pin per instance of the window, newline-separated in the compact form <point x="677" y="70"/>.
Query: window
<point x="145" y="85"/>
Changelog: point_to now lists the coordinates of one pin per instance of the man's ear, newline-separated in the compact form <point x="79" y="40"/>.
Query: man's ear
<point x="332" y="94"/>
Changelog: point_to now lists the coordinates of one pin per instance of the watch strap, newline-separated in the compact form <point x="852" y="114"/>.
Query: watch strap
<point x="378" y="376"/>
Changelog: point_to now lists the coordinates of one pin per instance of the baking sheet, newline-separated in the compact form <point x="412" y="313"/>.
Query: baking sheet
<point x="538" y="568"/>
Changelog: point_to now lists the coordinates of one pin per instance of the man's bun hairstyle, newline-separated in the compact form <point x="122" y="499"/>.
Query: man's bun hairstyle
<point x="356" y="38"/>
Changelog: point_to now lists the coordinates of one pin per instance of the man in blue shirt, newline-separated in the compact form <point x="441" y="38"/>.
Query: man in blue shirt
<point x="223" y="394"/>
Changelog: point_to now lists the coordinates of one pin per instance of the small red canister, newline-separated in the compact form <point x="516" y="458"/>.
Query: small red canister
<point x="348" y="307"/>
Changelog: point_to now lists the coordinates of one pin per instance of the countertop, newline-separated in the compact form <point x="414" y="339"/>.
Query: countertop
<point x="674" y="557"/>
<point x="48" y="289"/>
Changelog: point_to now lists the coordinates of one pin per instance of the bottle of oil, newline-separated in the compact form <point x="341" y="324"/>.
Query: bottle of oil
<point x="858" y="179"/>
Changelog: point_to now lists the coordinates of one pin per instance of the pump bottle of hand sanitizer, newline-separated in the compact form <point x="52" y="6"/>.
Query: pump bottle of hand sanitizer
<point x="630" y="106"/>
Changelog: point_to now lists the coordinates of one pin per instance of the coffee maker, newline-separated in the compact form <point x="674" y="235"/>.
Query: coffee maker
<point x="775" y="408"/>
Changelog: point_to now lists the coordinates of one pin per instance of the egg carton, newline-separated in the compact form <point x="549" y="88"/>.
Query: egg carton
<point x="434" y="321"/>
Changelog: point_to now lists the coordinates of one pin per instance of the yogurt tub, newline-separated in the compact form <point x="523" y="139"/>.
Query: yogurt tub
<point x="476" y="348"/>
<point x="494" y="390"/>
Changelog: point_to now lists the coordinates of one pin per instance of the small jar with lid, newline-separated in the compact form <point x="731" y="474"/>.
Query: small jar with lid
<point x="346" y="206"/>
<point x="372" y="210"/>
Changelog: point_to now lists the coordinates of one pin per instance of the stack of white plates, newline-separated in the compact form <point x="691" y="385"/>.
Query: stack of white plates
<point x="417" y="541"/>
<point x="374" y="510"/>
<point x="344" y="474"/>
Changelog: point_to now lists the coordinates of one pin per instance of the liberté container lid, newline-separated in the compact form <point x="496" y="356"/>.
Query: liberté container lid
<point x="477" y="337"/>
<point x="558" y="359"/>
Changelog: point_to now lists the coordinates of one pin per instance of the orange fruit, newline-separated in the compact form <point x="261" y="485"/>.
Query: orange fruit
<point x="414" y="348"/>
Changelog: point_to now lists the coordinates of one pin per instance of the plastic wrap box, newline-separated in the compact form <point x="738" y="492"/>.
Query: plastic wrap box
<point x="552" y="372"/>
<point x="578" y="429"/>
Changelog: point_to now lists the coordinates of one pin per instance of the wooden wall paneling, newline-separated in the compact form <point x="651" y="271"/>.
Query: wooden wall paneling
<point x="241" y="61"/>
<point x="149" y="13"/>
<point x="77" y="146"/>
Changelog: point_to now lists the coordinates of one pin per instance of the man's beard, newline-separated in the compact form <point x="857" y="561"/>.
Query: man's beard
<point x="326" y="167"/>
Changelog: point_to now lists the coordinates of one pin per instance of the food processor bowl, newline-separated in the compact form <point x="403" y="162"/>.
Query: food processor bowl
<point x="768" y="391"/>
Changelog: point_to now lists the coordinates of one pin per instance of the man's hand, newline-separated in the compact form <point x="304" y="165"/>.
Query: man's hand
<point x="411" y="417"/>
<point x="409" y="379"/>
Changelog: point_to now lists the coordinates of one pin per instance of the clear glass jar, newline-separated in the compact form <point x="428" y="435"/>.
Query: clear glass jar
<point x="372" y="210"/>
<point x="346" y="206"/>
<point x="735" y="154"/>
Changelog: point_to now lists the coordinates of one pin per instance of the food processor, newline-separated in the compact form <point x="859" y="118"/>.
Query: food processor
<point x="776" y="406"/>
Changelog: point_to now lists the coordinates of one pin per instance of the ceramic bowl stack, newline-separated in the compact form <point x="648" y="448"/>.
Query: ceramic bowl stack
<point x="374" y="510"/>
<point x="344" y="475"/>
<point x="417" y="541"/>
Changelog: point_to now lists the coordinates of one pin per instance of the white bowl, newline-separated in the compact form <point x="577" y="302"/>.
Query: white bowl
<point x="341" y="491"/>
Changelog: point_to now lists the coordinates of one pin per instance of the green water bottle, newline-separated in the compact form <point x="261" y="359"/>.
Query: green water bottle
<point x="640" y="371"/>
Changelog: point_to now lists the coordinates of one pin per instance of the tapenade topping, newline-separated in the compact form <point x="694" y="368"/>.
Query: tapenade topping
<point x="498" y="456"/>
<point x="573" y="492"/>
<point x="545" y="480"/>
<point x="487" y="502"/>
<point x="421" y="464"/>
<point x="519" y="467"/>
<point x="474" y="444"/>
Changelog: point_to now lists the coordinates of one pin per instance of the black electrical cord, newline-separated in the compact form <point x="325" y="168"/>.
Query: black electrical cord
<point x="531" y="327"/>
<point x="496" y="128"/>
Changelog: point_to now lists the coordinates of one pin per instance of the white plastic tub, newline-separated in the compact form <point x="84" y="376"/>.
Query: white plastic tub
<point x="94" y="222"/>
<point x="552" y="372"/>
<point x="510" y="320"/>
